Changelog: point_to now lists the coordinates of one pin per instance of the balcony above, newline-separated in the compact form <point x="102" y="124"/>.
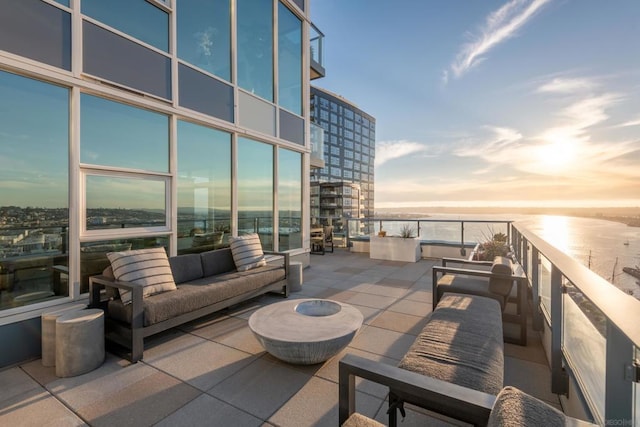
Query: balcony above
<point x="316" y="44"/>
<point x="317" y="146"/>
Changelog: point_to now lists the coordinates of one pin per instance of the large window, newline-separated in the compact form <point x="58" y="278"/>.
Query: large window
<point x="289" y="199"/>
<point x="255" y="47"/>
<point x="137" y="18"/>
<point x="289" y="60"/>
<point x="34" y="152"/>
<point x="204" y="35"/>
<point x="114" y="134"/>
<point x="204" y="188"/>
<point x="255" y="190"/>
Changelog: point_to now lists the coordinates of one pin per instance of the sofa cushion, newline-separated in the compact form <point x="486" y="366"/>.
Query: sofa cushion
<point x="516" y="408"/>
<point x="247" y="252"/>
<point x="502" y="266"/>
<point x="461" y="344"/>
<point x="469" y="285"/>
<point x="185" y="267"/>
<point x="146" y="267"/>
<point x="217" y="262"/>
<point x="199" y="293"/>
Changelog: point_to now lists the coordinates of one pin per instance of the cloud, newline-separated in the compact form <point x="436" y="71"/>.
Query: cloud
<point x="389" y="150"/>
<point x="566" y="85"/>
<point x="635" y="122"/>
<point x="499" y="27"/>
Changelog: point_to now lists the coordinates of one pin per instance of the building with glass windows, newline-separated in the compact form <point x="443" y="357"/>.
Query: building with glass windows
<point x="140" y="123"/>
<point x="349" y="155"/>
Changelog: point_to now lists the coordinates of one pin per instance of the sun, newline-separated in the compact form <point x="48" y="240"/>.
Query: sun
<point x="557" y="155"/>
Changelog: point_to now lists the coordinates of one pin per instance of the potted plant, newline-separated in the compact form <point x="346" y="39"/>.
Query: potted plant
<point x="492" y="247"/>
<point x="382" y="233"/>
<point x="404" y="247"/>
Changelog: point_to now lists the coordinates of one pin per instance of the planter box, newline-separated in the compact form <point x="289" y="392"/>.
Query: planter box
<point x="395" y="248"/>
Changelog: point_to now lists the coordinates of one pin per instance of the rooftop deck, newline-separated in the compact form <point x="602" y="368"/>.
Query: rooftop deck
<point x="214" y="372"/>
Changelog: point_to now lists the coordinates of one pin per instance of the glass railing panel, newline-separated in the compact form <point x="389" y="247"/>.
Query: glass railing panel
<point x="317" y="142"/>
<point x="544" y="285"/>
<point x="530" y="261"/>
<point x="448" y="232"/>
<point x="316" y="44"/>
<point x="584" y="346"/>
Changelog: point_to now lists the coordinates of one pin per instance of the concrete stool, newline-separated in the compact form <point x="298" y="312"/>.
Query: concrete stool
<point x="79" y="342"/>
<point x="49" y="334"/>
<point x="295" y="276"/>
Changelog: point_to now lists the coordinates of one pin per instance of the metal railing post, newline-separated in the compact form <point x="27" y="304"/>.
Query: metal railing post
<point x="620" y="374"/>
<point x="535" y="289"/>
<point x="559" y="378"/>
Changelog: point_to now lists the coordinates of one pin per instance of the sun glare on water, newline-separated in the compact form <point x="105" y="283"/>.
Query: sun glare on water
<point x="556" y="232"/>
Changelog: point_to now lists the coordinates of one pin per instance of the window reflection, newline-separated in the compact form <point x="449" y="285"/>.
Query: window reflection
<point x="289" y="199"/>
<point x="34" y="216"/>
<point x="114" y="202"/>
<point x="204" y="35"/>
<point x="289" y="60"/>
<point x="204" y="188"/>
<point x="114" y="134"/>
<point x="255" y="47"/>
<point x="138" y="18"/>
<point x="93" y="255"/>
<point x="255" y="190"/>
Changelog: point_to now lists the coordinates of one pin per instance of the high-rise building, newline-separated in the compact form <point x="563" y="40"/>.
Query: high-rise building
<point x="128" y="124"/>
<point x="349" y="155"/>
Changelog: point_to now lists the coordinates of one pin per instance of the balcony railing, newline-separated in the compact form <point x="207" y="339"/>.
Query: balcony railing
<point x="594" y="329"/>
<point x="316" y="42"/>
<point x="317" y="146"/>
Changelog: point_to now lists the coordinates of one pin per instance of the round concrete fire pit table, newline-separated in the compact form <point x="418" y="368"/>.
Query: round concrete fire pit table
<point x="305" y="331"/>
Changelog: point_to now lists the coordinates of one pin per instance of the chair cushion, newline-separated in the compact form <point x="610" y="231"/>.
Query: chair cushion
<point x="358" y="420"/>
<point x="146" y="267"/>
<point x="503" y="266"/>
<point x="461" y="344"/>
<point x="247" y="252"/>
<point x="186" y="267"/>
<point x="470" y="285"/>
<point x="516" y="408"/>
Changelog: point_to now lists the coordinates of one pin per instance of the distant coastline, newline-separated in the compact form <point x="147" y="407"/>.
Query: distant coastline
<point x="628" y="216"/>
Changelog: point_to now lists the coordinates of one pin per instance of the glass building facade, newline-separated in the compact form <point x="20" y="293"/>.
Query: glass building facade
<point x="142" y="123"/>
<point x="349" y="150"/>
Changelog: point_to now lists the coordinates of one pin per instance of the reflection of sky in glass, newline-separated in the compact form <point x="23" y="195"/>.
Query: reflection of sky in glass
<point x="289" y="181"/>
<point x="204" y="168"/>
<point x="204" y="35"/>
<point x="114" y="134"/>
<point x="138" y="18"/>
<point x="34" y="140"/>
<point x="255" y="176"/>
<point x="63" y="2"/>
<point x="289" y="60"/>
<point x="107" y="192"/>
<point x="255" y="47"/>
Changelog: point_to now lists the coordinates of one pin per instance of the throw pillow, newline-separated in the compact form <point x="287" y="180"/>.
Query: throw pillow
<point x="146" y="267"/>
<point x="247" y="252"/>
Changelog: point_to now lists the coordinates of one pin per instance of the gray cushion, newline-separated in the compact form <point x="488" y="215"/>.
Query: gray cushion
<point x="501" y="265"/>
<point x="461" y="344"/>
<point x="146" y="267"/>
<point x="358" y="420"/>
<point x="517" y="409"/>
<point x="217" y="262"/>
<point x="186" y="267"/>
<point x="199" y="293"/>
<point x="470" y="285"/>
<point x="247" y="252"/>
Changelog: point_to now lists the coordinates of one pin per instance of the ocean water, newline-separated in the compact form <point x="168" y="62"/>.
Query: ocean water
<point x="598" y="244"/>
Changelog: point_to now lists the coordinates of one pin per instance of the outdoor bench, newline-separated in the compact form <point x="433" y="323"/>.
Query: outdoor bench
<point x="206" y="283"/>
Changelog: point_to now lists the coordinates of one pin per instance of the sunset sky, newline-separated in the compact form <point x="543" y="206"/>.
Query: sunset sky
<point x="493" y="103"/>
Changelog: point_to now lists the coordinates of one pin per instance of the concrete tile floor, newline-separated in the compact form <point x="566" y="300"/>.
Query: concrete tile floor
<point x="214" y="372"/>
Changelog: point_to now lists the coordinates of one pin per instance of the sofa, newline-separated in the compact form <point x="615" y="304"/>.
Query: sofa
<point x="204" y="283"/>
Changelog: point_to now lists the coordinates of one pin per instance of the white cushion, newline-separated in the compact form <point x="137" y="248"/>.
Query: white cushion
<point x="147" y="267"/>
<point x="247" y="252"/>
